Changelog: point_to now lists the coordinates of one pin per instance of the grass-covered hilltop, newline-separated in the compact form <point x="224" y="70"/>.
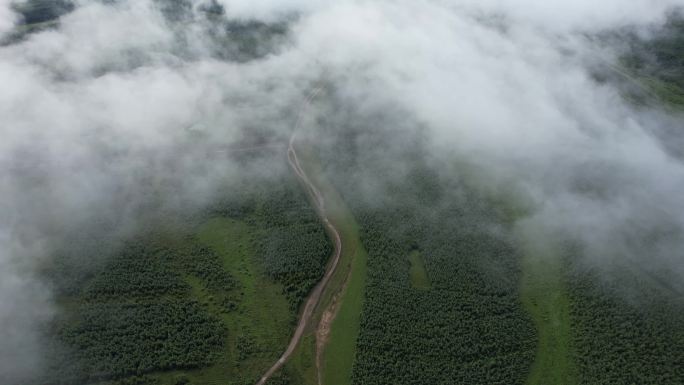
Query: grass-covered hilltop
<point x="388" y="192"/>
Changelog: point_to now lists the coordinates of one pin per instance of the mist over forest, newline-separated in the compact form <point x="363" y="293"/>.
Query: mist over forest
<point x="117" y="116"/>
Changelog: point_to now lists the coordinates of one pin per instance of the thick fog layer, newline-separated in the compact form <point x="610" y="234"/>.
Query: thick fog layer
<point x="122" y="105"/>
<point x="7" y="17"/>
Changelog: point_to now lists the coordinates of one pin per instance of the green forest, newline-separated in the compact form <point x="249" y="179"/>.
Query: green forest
<point x="626" y="338"/>
<point x="469" y="321"/>
<point x="209" y="298"/>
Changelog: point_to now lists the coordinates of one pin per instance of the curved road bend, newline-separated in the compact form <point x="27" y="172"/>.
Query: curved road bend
<point x="315" y="296"/>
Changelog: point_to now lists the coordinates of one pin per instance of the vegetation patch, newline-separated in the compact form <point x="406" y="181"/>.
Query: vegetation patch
<point x="469" y="328"/>
<point x="626" y="330"/>
<point x="340" y="352"/>
<point x="546" y="299"/>
<point x="117" y="340"/>
<point x="257" y="313"/>
<point x="417" y="272"/>
<point x="208" y="300"/>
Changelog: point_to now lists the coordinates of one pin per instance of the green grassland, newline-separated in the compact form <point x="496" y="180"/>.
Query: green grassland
<point x="261" y="322"/>
<point x="301" y="368"/>
<point x="340" y="352"/>
<point x="546" y="299"/>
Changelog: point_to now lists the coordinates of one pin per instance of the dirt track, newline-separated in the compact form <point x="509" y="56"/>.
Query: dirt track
<point x="315" y="296"/>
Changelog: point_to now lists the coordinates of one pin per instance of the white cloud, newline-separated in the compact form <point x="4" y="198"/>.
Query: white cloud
<point x="8" y="17"/>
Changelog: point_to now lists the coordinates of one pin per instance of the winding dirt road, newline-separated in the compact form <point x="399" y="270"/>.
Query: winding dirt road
<point x="315" y="296"/>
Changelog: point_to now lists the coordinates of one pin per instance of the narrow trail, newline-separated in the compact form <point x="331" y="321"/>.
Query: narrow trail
<point x="315" y="296"/>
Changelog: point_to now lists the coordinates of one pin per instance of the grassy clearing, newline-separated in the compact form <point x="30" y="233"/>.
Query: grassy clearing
<point x="258" y="329"/>
<point x="302" y="365"/>
<point x="545" y="298"/>
<point x="418" y="274"/>
<point x="261" y="317"/>
<point x="341" y="350"/>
